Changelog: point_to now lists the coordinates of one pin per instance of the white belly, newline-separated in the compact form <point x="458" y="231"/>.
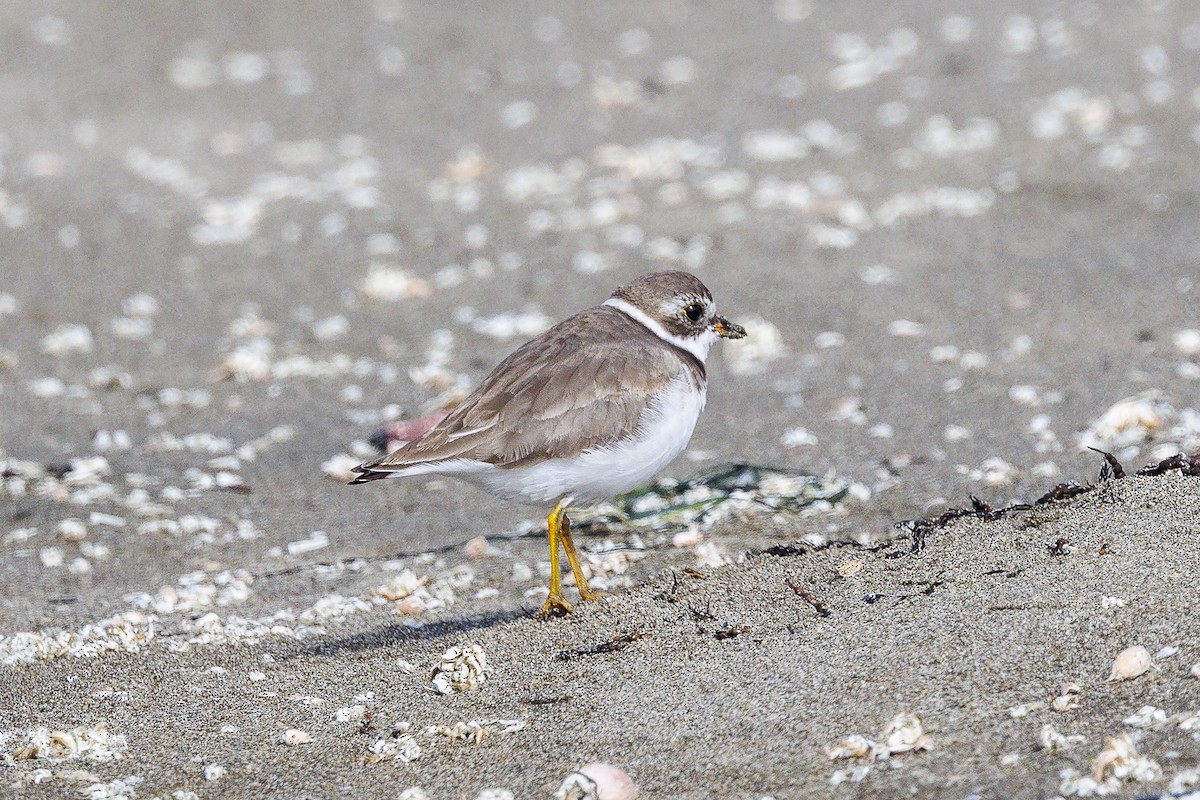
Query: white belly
<point x="596" y="475"/>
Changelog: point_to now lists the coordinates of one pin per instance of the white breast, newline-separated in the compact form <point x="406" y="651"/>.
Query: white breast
<point x="596" y="475"/>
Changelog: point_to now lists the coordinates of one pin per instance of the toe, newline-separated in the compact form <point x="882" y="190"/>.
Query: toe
<point x="555" y="606"/>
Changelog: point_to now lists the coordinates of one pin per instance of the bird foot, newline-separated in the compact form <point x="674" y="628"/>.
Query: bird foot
<point x="555" y="606"/>
<point x="591" y="594"/>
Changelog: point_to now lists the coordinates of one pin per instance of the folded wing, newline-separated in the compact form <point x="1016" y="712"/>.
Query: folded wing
<point x="581" y="385"/>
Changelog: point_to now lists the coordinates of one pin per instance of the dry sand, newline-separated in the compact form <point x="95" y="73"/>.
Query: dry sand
<point x="235" y="243"/>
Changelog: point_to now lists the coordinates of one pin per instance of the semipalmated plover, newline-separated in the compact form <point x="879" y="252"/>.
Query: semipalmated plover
<point x="591" y="408"/>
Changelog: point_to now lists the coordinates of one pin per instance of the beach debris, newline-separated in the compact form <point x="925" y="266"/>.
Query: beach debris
<point x="850" y="568"/>
<point x="476" y="548"/>
<point x="1050" y="739"/>
<point x="317" y="540"/>
<point x="921" y="528"/>
<point x="605" y="564"/>
<point x="89" y="743"/>
<point x="732" y="491"/>
<point x="611" y="646"/>
<point x="1025" y="709"/>
<point x="1147" y="717"/>
<point x="994" y="471"/>
<point x="67" y="339"/>
<point x="294" y="736"/>
<point x="905" y="329"/>
<point x="402" y="747"/>
<point x="354" y="713"/>
<point x="711" y="554"/>
<point x="1187" y="341"/>
<point x="808" y="597"/>
<point x="797" y="437"/>
<point x="413" y="793"/>
<point x="128" y="633"/>
<point x="116" y="789"/>
<point x="1067" y="699"/>
<point x="904" y="734"/>
<point x="504" y="326"/>
<point x="1117" y="764"/>
<point x="597" y="781"/>
<point x="476" y="730"/>
<point x="1182" y="781"/>
<point x="762" y="345"/>
<point x="388" y="283"/>
<point x="472" y="732"/>
<point x="1128" y="423"/>
<point x="495" y="794"/>
<point x="1130" y="663"/>
<point x="340" y="467"/>
<point x="460" y="669"/>
<point x="406" y="584"/>
<point x="731" y="632"/>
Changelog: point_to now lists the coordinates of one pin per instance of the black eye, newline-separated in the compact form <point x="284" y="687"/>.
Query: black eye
<point x="694" y="312"/>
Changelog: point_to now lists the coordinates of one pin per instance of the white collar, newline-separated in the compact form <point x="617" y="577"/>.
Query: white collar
<point x="696" y="345"/>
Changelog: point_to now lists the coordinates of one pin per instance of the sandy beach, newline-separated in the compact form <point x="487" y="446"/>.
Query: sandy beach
<point x="236" y="243"/>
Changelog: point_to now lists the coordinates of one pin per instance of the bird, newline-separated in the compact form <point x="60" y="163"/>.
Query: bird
<point x="593" y="407"/>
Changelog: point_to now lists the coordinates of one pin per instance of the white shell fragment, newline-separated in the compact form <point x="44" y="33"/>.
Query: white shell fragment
<point x="460" y="669"/>
<point x="495" y="794"/>
<point x="388" y="284"/>
<point x="1119" y="761"/>
<point x="597" y="782"/>
<point x="1129" y="422"/>
<point x="1187" y="341"/>
<point x="294" y="736"/>
<point x="67" y="339"/>
<point x="1051" y="740"/>
<point x="762" y="345"/>
<point x="340" y="467"/>
<point x="1130" y="663"/>
<point x="92" y="744"/>
<point x="403" y="748"/>
<point x="476" y="730"/>
<point x="903" y="734"/>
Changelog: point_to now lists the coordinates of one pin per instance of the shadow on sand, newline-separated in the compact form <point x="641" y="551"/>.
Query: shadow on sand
<point x="392" y="634"/>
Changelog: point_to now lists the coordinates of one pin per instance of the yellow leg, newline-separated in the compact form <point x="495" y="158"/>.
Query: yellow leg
<point x="564" y="533"/>
<point x="555" y="603"/>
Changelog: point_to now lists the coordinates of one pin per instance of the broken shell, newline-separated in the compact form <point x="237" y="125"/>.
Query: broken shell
<point x="1064" y="703"/>
<point x="295" y="736"/>
<point x="476" y="548"/>
<point x="1130" y="663"/>
<point x="597" y="782"/>
<point x="853" y="746"/>
<point x="687" y="538"/>
<point x="411" y="606"/>
<point x="905" y="733"/>
<point x="850" y="568"/>
<point x="1196" y="670"/>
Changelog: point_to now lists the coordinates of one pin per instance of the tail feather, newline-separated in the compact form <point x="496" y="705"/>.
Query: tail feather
<point x="366" y="474"/>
